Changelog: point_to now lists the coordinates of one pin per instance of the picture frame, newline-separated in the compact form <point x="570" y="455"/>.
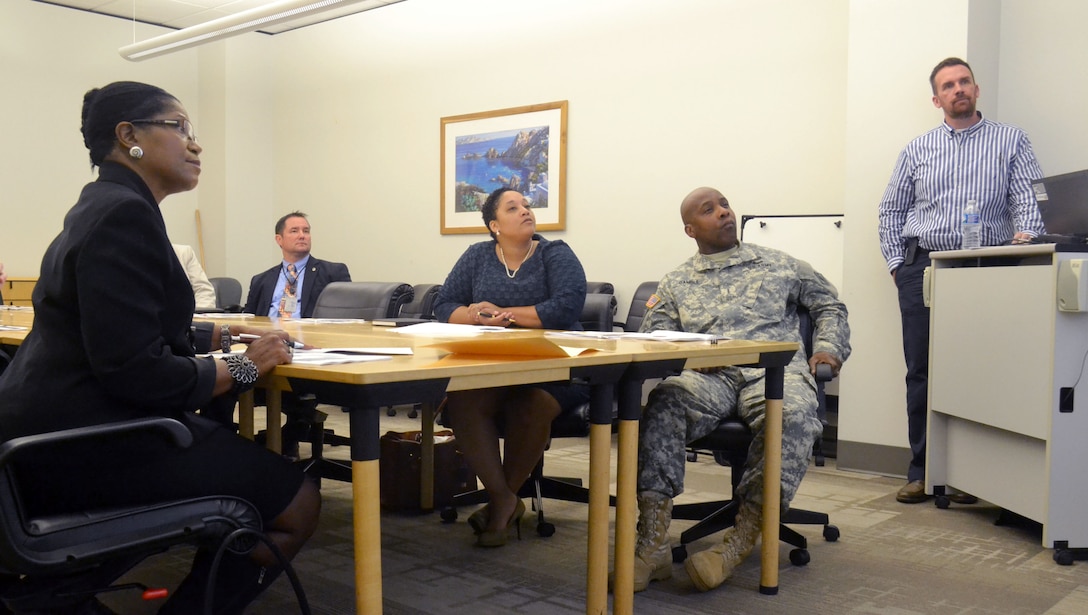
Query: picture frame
<point x="523" y="148"/>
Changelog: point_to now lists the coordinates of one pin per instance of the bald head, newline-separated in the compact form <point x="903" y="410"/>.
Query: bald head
<point x="709" y="220"/>
<point x="691" y="202"/>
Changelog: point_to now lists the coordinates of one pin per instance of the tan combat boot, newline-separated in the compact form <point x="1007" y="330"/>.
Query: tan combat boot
<point x="710" y="568"/>
<point x="653" y="556"/>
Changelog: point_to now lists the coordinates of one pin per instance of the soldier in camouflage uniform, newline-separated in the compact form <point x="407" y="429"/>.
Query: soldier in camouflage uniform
<point x="742" y="292"/>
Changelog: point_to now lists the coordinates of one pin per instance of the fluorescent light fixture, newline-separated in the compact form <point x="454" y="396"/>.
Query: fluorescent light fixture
<point x="240" y="23"/>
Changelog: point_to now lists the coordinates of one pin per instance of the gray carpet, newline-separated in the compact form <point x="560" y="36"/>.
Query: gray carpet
<point x="892" y="558"/>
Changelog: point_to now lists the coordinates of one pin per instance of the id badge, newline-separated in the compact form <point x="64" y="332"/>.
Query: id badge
<point x="290" y="304"/>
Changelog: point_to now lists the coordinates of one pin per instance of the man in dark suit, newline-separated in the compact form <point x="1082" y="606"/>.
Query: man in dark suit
<point x="290" y="290"/>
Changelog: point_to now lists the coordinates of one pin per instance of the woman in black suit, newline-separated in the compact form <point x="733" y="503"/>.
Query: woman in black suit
<point x="113" y="340"/>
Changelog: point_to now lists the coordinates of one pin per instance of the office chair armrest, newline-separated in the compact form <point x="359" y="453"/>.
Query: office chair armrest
<point x="174" y="430"/>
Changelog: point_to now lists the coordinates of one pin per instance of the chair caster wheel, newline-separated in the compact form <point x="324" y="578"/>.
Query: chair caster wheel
<point x="413" y="414"/>
<point x="448" y="514"/>
<point x="545" y="529"/>
<point x="1063" y="557"/>
<point x="679" y="554"/>
<point x="390" y="411"/>
<point x="941" y="501"/>
<point x="692" y="456"/>
<point x="831" y="533"/>
<point x="800" y="557"/>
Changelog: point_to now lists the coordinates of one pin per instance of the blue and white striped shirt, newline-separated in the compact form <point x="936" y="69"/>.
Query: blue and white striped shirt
<point x="938" y="172"/>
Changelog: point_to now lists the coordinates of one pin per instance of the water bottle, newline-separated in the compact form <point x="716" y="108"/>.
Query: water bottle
<point x="971" y="226"/>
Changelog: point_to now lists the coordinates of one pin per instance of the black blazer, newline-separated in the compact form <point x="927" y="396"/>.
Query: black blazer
<point x="112" y="314"/>
<point x="319" y="274"/>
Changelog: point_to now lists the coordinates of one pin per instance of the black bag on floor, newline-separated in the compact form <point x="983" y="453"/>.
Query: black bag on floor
<point x="400" y="470"/>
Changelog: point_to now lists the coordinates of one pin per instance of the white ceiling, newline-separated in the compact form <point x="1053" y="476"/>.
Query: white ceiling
<point x="184" y="13"/>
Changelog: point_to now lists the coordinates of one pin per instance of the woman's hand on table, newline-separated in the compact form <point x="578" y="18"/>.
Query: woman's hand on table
<point x="269" y="350"/>
<point x="487" y="313"/>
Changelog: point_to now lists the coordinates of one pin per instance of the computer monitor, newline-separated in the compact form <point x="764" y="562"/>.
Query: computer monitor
<point x="1063" y="203"/>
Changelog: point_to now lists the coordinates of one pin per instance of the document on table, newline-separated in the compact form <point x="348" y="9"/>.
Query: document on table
<point x="223" y="315"/>
<point x="445" y="329"/>
<point x="510" y="346"/>
<point x="660" y="335"/>
<point x="337" y="356"/>
<point x="12" y="328"/>
<point x="335" y="321"/>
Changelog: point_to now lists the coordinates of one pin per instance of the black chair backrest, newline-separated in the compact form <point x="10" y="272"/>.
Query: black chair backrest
<point x="598" y="312"/>
<point x="808" y="328"/>
<point x="638" y="306"/>
<point x="228" y="292"/>
<point x="367" y="300"/>
<point x="422" y="306"/>
<point x="604" y="288"/>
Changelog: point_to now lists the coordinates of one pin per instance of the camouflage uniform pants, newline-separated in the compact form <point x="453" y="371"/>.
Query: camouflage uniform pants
<point x="684" y="408"/>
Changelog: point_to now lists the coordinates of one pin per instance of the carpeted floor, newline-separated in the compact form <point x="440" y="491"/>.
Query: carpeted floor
<point x="892" y="558"/>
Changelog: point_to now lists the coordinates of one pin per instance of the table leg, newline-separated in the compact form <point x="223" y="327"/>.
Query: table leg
<point x="623" y="583"/>
<point x="426" y="458"/>
<point x="772" y="480"/>
<point x="273" y="433"/>
<point x="365" y="480"/>
<point x="600" y="453"/>
<point x="245" y="414"/>
<point x="626" y="469"/>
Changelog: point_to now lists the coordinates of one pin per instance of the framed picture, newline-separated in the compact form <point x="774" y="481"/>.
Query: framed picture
<point x="523" y="148"/>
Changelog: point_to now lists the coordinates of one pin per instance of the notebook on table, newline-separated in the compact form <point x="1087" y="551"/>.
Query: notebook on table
<point x="1063" y="205"/>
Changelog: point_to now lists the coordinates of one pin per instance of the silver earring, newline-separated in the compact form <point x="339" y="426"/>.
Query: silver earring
<point x="136" y="152"/>
<point x="498" y="232"/>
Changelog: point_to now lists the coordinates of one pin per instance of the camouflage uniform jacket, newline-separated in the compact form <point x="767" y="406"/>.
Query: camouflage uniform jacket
<point x="754" y="295"/>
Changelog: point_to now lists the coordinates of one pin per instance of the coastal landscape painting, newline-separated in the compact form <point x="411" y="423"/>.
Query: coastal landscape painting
<point x="522" y="148"/>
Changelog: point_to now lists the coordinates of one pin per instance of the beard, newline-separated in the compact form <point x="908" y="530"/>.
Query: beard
<point x="961" y="112"/>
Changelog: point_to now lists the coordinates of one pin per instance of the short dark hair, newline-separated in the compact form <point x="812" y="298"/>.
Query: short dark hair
<point x="121" y="101"/>
<point x="943" y="64"/>
<point x="282" y="222"/>
<point x="491" y="205"/>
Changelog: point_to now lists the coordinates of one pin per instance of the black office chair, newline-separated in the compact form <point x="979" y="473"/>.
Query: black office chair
<point x="599" y="312"/>
<point x="596" y="315"/>
<point x="729" y="443"/>
<point x="228" y="294"/>
<point x="600" y="288"/>
<point x="422" y="304"/>
<point x="637" y="310"/>
<point x="366" y="300"/>
<point x="57" y="562"/>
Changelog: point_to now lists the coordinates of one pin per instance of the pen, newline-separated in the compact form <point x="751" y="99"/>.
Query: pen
<point x="249" y="337"/>
<point x="488" y="315"/>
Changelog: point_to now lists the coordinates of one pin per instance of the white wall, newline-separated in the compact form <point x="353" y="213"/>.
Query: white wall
<point x="49" y="57"/>
<point x="788" y="106"/>
<point x="663" y="97"/>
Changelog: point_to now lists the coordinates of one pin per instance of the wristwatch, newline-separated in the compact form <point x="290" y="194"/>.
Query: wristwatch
<point x="243" y="370"/>
<point x="224" y="339"/>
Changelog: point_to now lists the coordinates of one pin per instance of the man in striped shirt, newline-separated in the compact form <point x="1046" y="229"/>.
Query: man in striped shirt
<point x="967" y="157"/>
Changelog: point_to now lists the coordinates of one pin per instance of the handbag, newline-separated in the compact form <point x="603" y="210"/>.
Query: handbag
<point x="400" y="468"/>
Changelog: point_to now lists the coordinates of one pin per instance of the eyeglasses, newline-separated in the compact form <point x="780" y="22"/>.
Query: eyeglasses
<point x="185" y="127"/>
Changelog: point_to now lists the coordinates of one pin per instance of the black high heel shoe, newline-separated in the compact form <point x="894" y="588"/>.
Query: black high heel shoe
<point x="498" y="538"/>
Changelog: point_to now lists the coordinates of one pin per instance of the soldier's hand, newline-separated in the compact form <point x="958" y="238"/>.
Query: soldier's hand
<point x="826" y="358"/>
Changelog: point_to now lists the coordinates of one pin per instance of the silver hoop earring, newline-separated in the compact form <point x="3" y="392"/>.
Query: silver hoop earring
<point x="136" y="152"/>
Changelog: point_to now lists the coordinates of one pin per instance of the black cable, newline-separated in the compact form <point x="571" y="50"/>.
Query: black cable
<point x="209" y="596"/>
<point x="1079" y="376"/>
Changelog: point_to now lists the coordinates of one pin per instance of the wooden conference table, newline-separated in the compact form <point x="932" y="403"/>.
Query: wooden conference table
<point x="425" y="376"/>
<point x="616" y="366"/>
